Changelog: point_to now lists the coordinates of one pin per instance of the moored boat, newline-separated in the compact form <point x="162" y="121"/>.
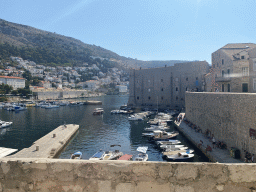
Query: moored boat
<point x="98" y="111"/>
<point x="142" y="156"/>
<point x="126" y="157"/>
<point x="98" y="155"/>
<point x="76" y="155"/>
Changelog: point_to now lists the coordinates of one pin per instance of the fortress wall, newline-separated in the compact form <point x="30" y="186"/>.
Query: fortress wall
<point x="229" y="116"/>
<point x="42" y="95"/>
<point x="120" y="176"/>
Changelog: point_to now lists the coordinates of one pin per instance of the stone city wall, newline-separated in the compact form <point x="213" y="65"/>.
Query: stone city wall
<point x="58" y="94"/>
<point x="121" y="176"/>
<point x="229" y="116"/>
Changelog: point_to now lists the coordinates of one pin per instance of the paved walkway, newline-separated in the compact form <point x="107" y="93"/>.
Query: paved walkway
<point x="216" y="155"/>
<point x="49" y="145"/>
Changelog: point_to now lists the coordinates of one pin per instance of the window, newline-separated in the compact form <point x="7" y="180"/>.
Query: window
<point x="162" y="80"/>
<point x="222" y="61"/>
<point x="162" y="98"/>
<point x="149" y="98"/>
<point x="242" y="57"/>
<point x="245" y="87"/>
<point x="228" y="87"/>
<point x="138" y="98"/>
<point x="162" y="89"/>
<point x="186" y="88"/>
<point x="245" y="71"/>
<point x="222" y="73"/>
<point x="222" y="87"/>
<point x="177" y="89"/>
<point x="254" y="84"/>
<point x="186" y="79"/>
<point x="196" y="78"/>
<point x="228" y="72"/>
<point x="254" y="64"/>
<point x="177" y="98"/>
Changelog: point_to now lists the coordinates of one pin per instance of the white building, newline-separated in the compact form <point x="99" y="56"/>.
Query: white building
<point x="15" y="82"/>
<point x="122" y="88"/>
<point x="92" y="84"/>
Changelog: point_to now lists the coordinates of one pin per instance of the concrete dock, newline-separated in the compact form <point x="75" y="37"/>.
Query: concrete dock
<point x="216" y="155"/>
<point x="50" y="145"/>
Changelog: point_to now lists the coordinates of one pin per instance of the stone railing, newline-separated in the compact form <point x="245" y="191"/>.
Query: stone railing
<point x="83" y="175"/>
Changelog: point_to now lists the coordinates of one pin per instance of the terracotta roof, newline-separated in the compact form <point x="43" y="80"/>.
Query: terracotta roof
<point x="10" y="77"/>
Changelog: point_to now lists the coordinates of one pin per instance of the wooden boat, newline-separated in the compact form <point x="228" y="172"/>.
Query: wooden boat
<point x="164" y="136"/>
<point x="76" y="155"/>
<point x="126" y="157"/>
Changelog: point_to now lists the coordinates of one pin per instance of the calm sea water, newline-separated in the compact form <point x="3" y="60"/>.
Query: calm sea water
<point x="95" y="132"/>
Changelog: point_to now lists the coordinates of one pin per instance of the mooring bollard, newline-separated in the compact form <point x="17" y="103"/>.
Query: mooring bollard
<point x="54" y="135"/>
<point x="37" y="148"/>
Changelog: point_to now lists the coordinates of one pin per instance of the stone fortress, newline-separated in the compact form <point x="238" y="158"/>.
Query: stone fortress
<point x="230" y="116"/>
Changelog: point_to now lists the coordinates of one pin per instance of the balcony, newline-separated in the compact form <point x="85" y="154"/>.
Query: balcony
<point x="222" y="79"/>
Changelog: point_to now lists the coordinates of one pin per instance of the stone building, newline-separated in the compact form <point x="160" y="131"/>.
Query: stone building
<point x="230" y="68"/>
<point x="165" y="87"/>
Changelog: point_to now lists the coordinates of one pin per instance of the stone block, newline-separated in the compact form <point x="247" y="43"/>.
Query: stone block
<point x="242" y="173"/>
<point x="105" y="186"/>
<point x="5" y="167"/>
<point x="186" y="171"/>
<point x="125" y="187"/>
<point x="152" y="187"/>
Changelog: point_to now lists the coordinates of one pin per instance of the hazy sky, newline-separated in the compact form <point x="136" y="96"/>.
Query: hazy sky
<point x="143" y="29"/>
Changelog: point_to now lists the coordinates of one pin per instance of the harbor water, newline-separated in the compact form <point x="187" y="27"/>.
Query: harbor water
<point x="96" y="131"/>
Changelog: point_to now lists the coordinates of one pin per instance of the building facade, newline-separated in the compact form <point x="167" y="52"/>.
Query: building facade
<point x="233" y="68"/>
<point x="165" y="87"/>
<point x="15" y="82"/>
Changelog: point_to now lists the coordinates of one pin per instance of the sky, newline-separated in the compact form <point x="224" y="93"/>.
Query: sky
<point x="142" y="29"/>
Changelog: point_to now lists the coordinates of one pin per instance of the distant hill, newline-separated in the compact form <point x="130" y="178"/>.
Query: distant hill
<point x="53" y="49"/>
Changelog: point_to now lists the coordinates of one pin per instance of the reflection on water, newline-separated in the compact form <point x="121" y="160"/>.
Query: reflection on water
<point x="95" y="132"/>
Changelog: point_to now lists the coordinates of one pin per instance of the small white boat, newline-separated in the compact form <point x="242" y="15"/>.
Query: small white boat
<point x="142" y="156"/>
<point x="170" y="142"/>
<point x="98" y="111"/>
<point x="156" y="127"/>
<point x="135" y="118"/>
<point x="4" y="124"/>
<point x="170" y="153"/>
<point x="180" y="156"/>
<point x="51" y="106"/>
<point x="76" y="155"/>
<point x="112" y="155"/>
<point x="98" y="155"/>
<point x="118" y="111"/>
<point x="174" y="149"/>
<point x="163" y="147"/>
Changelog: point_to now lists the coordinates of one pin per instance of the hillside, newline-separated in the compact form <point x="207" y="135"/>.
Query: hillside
<point x="53" y="49"/>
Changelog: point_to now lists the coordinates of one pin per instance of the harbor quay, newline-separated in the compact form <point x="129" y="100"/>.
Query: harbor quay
<point x="203" y="143"/>
<point x="51" y="145"/>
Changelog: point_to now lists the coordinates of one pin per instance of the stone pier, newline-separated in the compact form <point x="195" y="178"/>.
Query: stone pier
<point x="50" y="145"/>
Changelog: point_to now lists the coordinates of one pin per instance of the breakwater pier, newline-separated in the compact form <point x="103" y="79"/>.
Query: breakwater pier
<point x="50" y="145"/>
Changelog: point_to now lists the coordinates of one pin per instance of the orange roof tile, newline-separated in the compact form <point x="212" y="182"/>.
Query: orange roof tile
<point x="11" y="77"/>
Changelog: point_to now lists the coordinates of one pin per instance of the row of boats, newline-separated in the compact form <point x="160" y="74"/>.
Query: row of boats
<point x="115" y="155"/>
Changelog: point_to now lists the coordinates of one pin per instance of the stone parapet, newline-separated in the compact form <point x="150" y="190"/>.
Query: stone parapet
<point x="120" y="176"/>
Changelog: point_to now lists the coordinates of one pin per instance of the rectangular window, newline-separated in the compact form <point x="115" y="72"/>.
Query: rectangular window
<point x="223" y="73"/>
<point x="228" y="72"/>
<point x="254" y="84"/>
<point x="222" y="87"/>
<point x="222" y="61"/>
<point x="228" y="87"/>
<point x="177" y="89"/>
<point x="242" y="57"/>
<point x="254" y="64"/>
<point x="245" y="71"/>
